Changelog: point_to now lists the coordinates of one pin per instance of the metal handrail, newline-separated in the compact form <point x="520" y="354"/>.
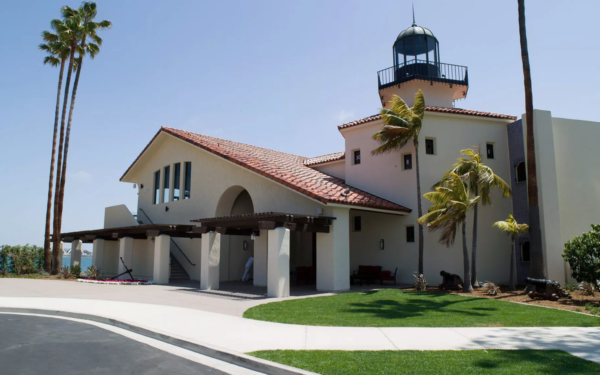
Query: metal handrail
<point x="174" y="243"/>
<point x="425" y="70"/>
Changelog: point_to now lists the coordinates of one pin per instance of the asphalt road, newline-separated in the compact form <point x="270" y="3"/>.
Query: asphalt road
<point x="39" y="345"/>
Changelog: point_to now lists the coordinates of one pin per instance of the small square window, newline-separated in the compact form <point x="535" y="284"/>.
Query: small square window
<point x="410" y="234"/>
<point x="490" y="150"/>
<point x="356" y="157"/>
<point x="357" y="223"/>
<point x="429" y="147"/>
<point x="407" y="159"/>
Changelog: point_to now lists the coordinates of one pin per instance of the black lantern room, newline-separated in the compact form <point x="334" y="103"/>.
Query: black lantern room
<point x="416" y="52"/>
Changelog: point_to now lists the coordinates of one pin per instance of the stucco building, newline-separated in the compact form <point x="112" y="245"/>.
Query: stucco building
<point x="206" y="205"/>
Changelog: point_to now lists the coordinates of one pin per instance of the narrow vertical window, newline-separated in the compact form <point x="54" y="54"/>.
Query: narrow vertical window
<point x="188" y="180"/>
<point x="490" y="150"/>
<point x="429" y="147"/>
<point x="157" y="187"/>
<point x="176" y="181"/>
<point x="525" y="254"/>
<point x="357" y="223"/>
<point x="410" y="234"/>
<point x="408" y="161"/>
<point x="521" y="172"/>
<point x="166" y="189"/>
<point x="356" y="156"/>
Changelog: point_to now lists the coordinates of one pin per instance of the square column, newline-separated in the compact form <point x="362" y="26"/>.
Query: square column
<point x="278" y="249"/>
<point x="76" y="253"/>
<point x="260" y="259"/>
<point x="210" y="256"/>
<point x="162" y="246"/>
<point x="125" y="252"/>
<point x="98" y="254"/>
<point x="333" y="254"/>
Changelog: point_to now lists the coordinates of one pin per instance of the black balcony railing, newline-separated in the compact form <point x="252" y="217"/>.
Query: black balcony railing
<point x="423" y="70"/>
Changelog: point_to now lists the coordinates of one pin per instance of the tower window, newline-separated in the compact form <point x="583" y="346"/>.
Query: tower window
<point x="407" y="159"/>
<point x="429" y="147"/>
<point x="176" y="181"/>
<point x="156" y="198"/>
<point x="166" y="189"/>
<point x="357" y="223"/>
<point x="188" y="180"/>
<point x="521" y="172"/>
<point x="490" y="150"/>
<point x="410" y="233"/>
<point x="356" y="157"/>
<point x="525" y="254"/>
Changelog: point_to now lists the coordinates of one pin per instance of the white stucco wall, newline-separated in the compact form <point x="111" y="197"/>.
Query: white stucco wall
<point x="118" y="216"/>
<point x="383" y="175"/>
<point x="436" y="94"/>
<point x="336" y="168"/>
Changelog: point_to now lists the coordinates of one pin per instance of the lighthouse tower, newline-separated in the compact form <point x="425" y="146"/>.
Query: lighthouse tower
<point x="417" y="65"/>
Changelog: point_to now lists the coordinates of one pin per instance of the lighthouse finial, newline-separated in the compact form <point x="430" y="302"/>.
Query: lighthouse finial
<point x="413" y="7"/>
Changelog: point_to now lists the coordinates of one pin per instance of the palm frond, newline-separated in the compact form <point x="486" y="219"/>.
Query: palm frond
<point x="419" y="105"/>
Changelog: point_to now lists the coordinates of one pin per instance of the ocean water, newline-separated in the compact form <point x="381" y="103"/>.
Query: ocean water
<point x="85" y="262"/>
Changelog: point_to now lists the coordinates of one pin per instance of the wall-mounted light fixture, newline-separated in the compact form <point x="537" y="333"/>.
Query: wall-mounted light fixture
<point x="252" y="237"/>
<point x="141" y="186"/>
<point x="152" y="240"/>
<point x="245" y="245"/>
<point x="166" y="208"/>
<point x="134" y="186"/>
<point x="381" y="244"/>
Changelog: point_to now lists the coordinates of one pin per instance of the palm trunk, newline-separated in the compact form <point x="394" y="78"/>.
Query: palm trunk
<point x="47" y="245"/>
<point x="511" y="282"/>
<point x="474" y="281"/>
<point x="467" y="288"/>
<point x="67" y="138"/>
<point x="56" y="235"/>
<point x="419" y="207"/>
<point x="535" y="234"/>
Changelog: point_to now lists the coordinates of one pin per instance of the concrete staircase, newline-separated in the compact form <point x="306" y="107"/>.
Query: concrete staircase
<point x="178" y="273"/>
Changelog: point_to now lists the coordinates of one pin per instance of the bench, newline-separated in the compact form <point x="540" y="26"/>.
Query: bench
<point x="366" y="273"/>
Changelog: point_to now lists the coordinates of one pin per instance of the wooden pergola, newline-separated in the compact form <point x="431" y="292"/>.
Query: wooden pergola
<point x="143" y="232"/>
<point x="252" y="224"/>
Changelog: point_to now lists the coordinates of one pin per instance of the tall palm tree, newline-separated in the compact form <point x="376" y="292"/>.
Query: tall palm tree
<point x="481" y="179"/>
<point x="451" y="203"/>
<point x="58" y="52"/>
<point x="535" y="236"/>
<point x="88" y="28"/>
<point x="402" y="124"/>
<point x="68" y="29"/>
<point x="514" y="230"/>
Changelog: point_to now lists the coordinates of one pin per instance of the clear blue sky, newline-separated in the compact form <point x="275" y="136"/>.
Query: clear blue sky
<point x="277" y="74"/>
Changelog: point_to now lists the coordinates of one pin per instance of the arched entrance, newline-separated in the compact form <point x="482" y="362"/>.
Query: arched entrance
<point x="235" y="250"/>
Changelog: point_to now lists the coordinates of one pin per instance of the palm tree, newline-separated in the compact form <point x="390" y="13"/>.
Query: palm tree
<point x="85" y="14"/>
<point x="68" y="30"/>
<point x="514" y="230"/>
<point x="402" y="124"/>
<point x="58" y="52"/>
<point x="482" y="180"/>
<point x="537" y="255"/>
<point x="451" y="203"/>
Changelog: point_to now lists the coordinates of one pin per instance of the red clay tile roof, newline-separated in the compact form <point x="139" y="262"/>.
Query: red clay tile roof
<point x="286" y="169"/>
<point x="457" y="111"/>
<point x="325" y="158"/>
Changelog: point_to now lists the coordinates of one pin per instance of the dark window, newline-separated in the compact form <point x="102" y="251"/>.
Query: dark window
<point x="521" y="172"/>
<point x="176" y="181"/>
<point x="429" y="150"/>
<point x="157" y="187"/>
<point x="410" y="234"/>
<point x="408" y="161"/>
<point x="188" y="180"/>
<point x="490" y="151"/>
<point x="166" y="184"/>
<point x="356" y="157"/>
<point x="357" y="223"/>
<point x="525" y="251"/>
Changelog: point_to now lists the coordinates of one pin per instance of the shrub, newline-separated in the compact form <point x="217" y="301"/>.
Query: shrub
<point x="93" y="273"/>
<point x="583" y="255"/>
<point x="65" y="273"/>
<point x="76" y="270"/>
<point x="420" y="282"/>
<point x="491" y="288"/>
<point x="587" y="288"/>
<point x="570" y="287"/>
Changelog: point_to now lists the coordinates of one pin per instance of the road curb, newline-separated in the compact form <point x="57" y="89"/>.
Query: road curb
<point x="225" y="355"/>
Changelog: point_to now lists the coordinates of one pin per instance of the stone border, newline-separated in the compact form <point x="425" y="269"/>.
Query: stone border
<point x="88" y="281"/>
<point x="225" y="355"/>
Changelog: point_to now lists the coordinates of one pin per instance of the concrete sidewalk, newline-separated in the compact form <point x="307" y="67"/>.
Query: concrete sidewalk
<point x="244" y="335"/>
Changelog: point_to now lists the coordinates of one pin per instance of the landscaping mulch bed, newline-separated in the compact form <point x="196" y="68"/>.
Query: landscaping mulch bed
<point x="578" y="303"/>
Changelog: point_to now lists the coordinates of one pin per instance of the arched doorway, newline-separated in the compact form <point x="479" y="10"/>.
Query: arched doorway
<point x="235" y="250"/>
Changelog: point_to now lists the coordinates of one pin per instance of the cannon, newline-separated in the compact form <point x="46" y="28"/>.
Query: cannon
<point x="548" y="289"/>
<point x="450" y="281"/>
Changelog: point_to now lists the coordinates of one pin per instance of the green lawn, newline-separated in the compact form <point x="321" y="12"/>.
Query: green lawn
<point x="396" y="308"/>
<point x="335" y="362"/>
